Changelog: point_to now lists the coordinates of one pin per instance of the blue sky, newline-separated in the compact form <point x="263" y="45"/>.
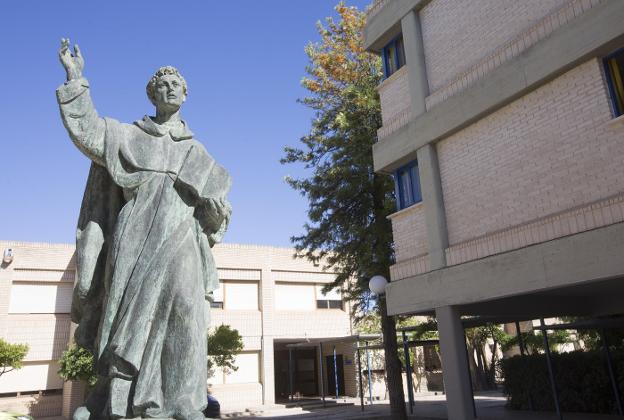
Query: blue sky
<point x="243" y="61"/>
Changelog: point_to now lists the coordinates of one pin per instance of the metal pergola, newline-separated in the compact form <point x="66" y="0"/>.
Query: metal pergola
<point x="333" y="341"/>
<point x="357" y="339"/>
<point x="599" y="324"/>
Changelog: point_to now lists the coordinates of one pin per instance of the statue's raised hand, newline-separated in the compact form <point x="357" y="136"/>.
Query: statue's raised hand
<point x="73" y="63"/>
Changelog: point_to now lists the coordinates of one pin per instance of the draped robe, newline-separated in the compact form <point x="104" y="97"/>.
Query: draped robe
<point x="144" y="261"/>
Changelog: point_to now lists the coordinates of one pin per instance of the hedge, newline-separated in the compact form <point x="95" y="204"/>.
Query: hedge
<point x="581" y="376"/>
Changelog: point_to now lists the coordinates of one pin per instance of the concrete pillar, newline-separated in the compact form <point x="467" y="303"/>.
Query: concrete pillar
<point x="415" y="61"/>
<point x="454" y="364"/>
<point x="6" y="280"/>
<point x="428" y="169"/>
<point x="267" y="355"/>
<point x="268" y="369"/>
<point x="435" y="217"/>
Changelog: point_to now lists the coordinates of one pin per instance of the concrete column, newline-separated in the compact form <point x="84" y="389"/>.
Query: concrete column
<point x="431" y="189"/>
<point x="268" y="369"/>
<point x="415" y="61"/>
<point x="454" y="364"/>
<point x="267" y="356"/>
<point x="6" y="279"/>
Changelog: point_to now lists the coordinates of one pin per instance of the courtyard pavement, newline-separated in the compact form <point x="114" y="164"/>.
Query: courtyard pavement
<point x="490" y="406"/>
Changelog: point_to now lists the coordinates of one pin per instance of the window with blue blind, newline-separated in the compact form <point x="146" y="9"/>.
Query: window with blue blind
<point x="407" y="185"/>
<point x="614" y="69"/>
<point x="393" y="56"/>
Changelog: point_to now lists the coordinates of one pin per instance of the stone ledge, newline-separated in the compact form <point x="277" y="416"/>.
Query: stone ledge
<point x="569" y="222"/>
<point x="569" y="261"/>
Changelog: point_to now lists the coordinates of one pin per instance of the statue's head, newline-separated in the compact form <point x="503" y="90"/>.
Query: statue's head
<point x="167" y="88"/>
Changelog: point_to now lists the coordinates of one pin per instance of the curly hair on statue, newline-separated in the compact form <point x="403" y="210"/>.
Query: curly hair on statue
<point x="149" y="89"/>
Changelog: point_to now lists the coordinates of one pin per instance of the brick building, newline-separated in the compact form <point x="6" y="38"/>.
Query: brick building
<point x="503" y="128"/>
<point x="271" y="298"/>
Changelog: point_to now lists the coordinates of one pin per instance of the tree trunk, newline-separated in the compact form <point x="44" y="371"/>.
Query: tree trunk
<point x="474" y="369"/>
<point x="417" y="373"/>
<point x="482" y="366"/>
<point x="492" y="369"/>
<point x="393" y="365"/>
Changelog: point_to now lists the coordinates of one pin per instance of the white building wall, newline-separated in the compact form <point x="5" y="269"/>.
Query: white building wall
<point x="35" y="300"/>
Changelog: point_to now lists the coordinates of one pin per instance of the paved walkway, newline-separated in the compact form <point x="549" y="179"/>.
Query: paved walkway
<point x="490" y="406"/>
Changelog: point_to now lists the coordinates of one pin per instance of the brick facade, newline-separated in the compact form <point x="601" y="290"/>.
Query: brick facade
<point x="409" y="231"/>
<point x="459" y="33"/>
<point x="516" y="36"/>
<point x="395" y="101"/>
<point x="549" y="151"/>
<point x="520" y="163"/>
<point x="489" y="29"/>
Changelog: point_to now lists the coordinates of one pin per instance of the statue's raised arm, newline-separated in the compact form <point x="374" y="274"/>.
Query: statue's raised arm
<point x="80" y="118"/>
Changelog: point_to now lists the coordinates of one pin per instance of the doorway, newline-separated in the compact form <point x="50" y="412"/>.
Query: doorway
<point x="331" y="375"/>
<point x="304" y="373"/>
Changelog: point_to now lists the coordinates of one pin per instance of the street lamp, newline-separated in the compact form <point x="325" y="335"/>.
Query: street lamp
<point x="377" y="285"/>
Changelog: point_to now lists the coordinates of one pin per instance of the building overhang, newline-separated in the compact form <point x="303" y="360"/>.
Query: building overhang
<point x="385" y="25"/>
<point x="596" y="33"/>
<point x="581" y="274"/>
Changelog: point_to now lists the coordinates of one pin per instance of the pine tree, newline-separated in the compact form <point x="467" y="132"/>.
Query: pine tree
<point x="348" y="202"/>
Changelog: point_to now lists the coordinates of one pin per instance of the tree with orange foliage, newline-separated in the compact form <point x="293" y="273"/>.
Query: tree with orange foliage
<point x="348" y="202"/>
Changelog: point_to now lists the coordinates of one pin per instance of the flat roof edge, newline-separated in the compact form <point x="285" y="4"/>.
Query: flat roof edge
<point x="384" y="25"/>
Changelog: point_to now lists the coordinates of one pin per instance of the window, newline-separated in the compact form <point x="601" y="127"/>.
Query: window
<point x="294" y="297"/>
<point x="329" y="300"/>
<point x="407" y="185"/>
<point x="248" y="364"/>
<point x="40" y="298"/>
<point x="217" y="297"/>
<point x="393" y="56"/>
<point x="614" y="67"/>
<point x="233" y="295"/>
<point x="241" y="295"/>
<point x="248" y="371"/>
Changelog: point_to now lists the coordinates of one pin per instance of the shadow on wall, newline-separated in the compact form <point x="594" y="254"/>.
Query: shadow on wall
<point x="40" y="404"/>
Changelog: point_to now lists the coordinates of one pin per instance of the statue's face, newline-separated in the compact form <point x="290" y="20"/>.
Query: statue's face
<point x="169" y="92"/>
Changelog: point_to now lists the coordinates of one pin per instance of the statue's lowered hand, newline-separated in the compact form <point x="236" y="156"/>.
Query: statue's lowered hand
<point x="73" y="64"/>
<point x="219" y="207"/>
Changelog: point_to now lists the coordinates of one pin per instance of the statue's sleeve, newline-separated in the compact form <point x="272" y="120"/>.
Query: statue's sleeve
<point x="85" y="127"/>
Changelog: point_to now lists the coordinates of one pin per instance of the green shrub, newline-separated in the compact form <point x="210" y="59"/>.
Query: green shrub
<point x="582" y="381"/>
<point x="76" y="364"/>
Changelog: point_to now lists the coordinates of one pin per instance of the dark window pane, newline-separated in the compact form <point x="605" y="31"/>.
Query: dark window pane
<point x="216" y="305"/>
<point x="335" y="304"/>
<point x="415" y="178"/>
<point x="321" y="304"/>
<point x="391" y="63"/>
<point x="406" y="188"/>
<point x="615" y="66"/>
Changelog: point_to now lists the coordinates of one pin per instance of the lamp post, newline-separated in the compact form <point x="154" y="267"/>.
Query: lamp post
<point x="377" y="284"/>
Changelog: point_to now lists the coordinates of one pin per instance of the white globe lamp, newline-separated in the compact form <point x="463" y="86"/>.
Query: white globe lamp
<point x="377" y="285"/>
